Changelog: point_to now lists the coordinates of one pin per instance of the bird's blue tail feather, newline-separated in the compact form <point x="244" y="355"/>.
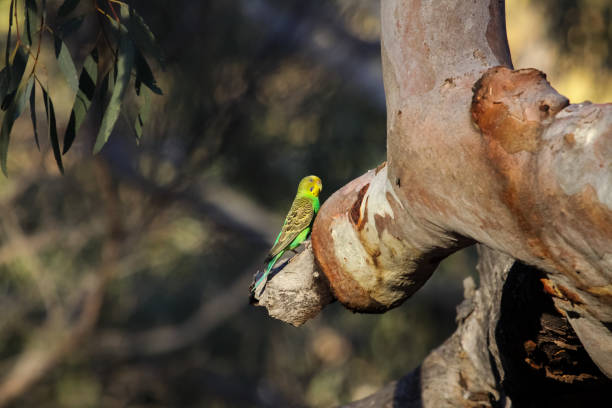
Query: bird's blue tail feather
<point x="262" y="280"/>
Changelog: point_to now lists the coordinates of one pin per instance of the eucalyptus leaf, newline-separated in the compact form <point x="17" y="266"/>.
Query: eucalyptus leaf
<point x="83" y="99"/>
<point x="33" y="115"/>
<point x="144" y="73"/>
<point x="10" y="78"/>
<point x="52" y="129"/>
<point x="5" y="79"/>
<point x="65" y="63"/>
<point x="67" y="7"/>
<point x="8" y="35"/>
<point x="125" y="63"/>
<point x="140" y="33"/>
<point x="143" y="114"/>
<point x="31" y="4"/>
<point x="30" y="19"/>
<point x="71" y="25"/>
<point x="12" y="113"/>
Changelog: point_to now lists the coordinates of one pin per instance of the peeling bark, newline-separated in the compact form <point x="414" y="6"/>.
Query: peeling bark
<point x="478" y="152"/>
<point x="373" y="252"/>
<point x="511" y="347"/>
<point x="554" y="165"/>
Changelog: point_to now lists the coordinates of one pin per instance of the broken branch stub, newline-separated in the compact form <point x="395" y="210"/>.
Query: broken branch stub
<point x="298" y="291"/>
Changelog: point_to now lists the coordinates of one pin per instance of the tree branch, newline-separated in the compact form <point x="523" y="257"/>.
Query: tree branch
<point x="530" y="180"/>
<point x="511" y="347"/>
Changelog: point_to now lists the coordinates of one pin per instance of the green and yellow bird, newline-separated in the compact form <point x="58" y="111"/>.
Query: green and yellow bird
<point x="297" y="225"/>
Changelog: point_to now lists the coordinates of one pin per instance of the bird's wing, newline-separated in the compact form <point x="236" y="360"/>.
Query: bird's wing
<point x="299" y="218"/>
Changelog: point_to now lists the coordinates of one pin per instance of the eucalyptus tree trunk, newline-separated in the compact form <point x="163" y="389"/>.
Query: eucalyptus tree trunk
<point x="477" y="153"/>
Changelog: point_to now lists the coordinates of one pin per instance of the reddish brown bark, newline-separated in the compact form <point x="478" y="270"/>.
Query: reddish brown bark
<point x="477" y="152"/>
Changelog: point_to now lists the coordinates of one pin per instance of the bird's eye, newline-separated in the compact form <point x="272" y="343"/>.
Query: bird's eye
<point x="311" y="188"/>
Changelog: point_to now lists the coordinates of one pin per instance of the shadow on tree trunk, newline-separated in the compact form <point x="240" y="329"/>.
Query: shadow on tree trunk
<point x="512" y="347"/>
<point x="544" y="362"/>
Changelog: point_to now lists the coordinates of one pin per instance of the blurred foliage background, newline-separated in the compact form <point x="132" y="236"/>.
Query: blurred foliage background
<point x="124" y="283"/>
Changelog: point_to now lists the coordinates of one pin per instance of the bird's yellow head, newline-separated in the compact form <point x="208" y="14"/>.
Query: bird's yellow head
<point x="310" y="185"/>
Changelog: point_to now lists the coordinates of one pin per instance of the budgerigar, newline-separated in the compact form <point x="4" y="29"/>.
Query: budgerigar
<point x="297" y="225"/>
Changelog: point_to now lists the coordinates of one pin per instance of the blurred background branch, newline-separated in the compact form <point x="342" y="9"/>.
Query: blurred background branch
<point x="169" y="338"/>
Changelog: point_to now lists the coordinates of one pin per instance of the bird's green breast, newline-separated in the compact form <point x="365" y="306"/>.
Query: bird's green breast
<point x="315" y="204"/>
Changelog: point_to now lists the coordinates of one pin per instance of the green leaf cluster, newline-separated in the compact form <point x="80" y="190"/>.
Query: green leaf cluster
<point x="123" y="36"/>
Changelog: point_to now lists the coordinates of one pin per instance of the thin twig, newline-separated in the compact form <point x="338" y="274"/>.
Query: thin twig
<point x="113" y="11"/>
<point x="40" y="33"/>
<point x="17" y="22"/>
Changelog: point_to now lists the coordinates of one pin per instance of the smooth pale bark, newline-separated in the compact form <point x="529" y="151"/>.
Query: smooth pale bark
<point x="477" y="152"/>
